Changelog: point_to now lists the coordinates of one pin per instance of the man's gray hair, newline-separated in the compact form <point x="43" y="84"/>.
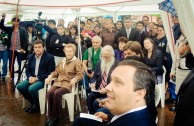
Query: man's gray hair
<point x="109" y="49"/>
<point x="98" y="38"/>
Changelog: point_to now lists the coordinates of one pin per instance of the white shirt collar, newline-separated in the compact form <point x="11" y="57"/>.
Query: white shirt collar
<point x="130" y="111"/>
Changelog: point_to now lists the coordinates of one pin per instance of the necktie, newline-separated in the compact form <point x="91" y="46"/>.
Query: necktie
<point x="146" y="29"/>
<point x="127" y="33"/>
<point x="104" y="80"/>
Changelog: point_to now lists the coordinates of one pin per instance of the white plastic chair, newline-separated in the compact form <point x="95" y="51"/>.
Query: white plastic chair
<point x="162" y="88"/>
<point x="70" y="101"/>
<point x="157" y="95"/>
<point x="42" y="96"/>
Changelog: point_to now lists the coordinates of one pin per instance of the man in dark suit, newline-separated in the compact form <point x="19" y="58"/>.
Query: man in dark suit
<point x="140" y="27"/>
<point x="101" y="76"/>
<point x="185" y="102"/>
<point x="128" y="93"/>
<point x="40" y="65"/>
<point x="131" y="33"/>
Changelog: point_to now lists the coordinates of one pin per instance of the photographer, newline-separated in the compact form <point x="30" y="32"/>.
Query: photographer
<point x="17" y="42"/>
<point x="3" y="53"/>
<point x="51" y="29"/>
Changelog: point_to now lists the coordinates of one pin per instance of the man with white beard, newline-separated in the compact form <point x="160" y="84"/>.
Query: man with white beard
<point x="101" y="76"/>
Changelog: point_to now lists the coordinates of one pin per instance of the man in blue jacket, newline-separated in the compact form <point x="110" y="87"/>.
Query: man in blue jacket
<point x="40" y="65"/>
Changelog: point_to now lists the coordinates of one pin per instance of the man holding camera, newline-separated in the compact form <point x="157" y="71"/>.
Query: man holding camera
<point x="17" y="42"/>
<point x="90" y="59"/>
<point x="52" y="30"/>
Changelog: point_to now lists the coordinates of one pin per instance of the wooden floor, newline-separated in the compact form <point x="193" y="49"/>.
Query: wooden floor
<point x="12" y="114"/>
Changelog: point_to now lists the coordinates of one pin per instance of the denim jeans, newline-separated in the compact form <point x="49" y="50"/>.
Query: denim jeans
<point x="30" y="91"/>
<point x="19" y="59"/>
<point x="4" y="57"/>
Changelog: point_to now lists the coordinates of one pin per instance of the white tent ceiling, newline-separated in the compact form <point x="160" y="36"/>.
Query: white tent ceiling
<point x="88" y="7"/>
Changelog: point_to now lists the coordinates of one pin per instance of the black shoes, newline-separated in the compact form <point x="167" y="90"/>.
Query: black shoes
<point x="51" y="122"/>
<point x="171" y="103"/>
<point x="28" y="108"/>
<point x="47" y="122"/>
<point x="33" y="109"/>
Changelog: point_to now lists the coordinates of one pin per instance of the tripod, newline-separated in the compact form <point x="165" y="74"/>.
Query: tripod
<point x="20" y="72"/>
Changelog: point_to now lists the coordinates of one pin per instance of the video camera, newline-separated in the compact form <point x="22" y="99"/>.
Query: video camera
<point x="39" y="26"/>
<point x="3" y="38"/>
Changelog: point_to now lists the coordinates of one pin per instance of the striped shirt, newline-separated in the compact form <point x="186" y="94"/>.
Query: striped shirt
<point x="17" y="43"/>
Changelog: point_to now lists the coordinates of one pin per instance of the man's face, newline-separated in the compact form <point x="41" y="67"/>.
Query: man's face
<point x="51" y="25"/>
<point x="140" y="27"/>
<point x="150" y="26"/>
<point x="145" y="21"/>
<point x="175" y="20"/>
<point x="159" y="21"/>
<point x="161" y="31"/>
<point x="106" y="56"/>
<point x="127" y="23"/>
<point x="82" y="25"/>
<point x="155" y="29"/>
<point x="30" y="29"/>
<point x="120" y="92"/>
<point x="95" y="44"/>
<point x="69" y="53"/>
<point x="38" y="49"/>
<point x="60" y="30"/>
<point x="61" y="22"/>
<point x="108" y="25"/>
<point x="128" y="52"/>
<point x="14" y="24"/>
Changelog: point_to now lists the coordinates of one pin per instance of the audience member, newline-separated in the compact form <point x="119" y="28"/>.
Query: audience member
<point x="140" y="27"/>
<point x="131" y="33"/>
<point x="101" y="76"/>
<point x="185" y="102"/>
<point x="145" y="20"/>
<point x="119" y="54"/>
<point x="40" y="65"/>
<point x="128" y="93"/>
<point x="119" y="25"/>
<point x="58" y="43"/>
<point x="68" y="72"/>
<point x="108" y="35"/>
<point x="153" y="58"/>
<point x="97" y="30"/>
<point x="91" y="57"/>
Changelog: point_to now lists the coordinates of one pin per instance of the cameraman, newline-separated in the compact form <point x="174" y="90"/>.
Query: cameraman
<point x="3" y="53"/>
<point x="18" y="47"/>
<point x="51" y="29"/>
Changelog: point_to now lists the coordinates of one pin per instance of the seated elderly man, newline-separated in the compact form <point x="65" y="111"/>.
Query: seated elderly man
<point x="101" y="76"/>
<point x="68" y="72"/>
<point x="128" y="93"/>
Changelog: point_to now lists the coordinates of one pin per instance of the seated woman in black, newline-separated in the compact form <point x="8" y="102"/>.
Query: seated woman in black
<point x="153" y="58"/>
